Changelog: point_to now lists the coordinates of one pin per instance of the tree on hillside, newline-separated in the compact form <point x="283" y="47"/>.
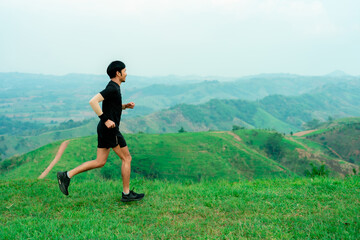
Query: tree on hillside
<point x="181" y="130"/>
<point x="273" y="146"/>
<point x="313" y="124"/>
<point x="236" y="127"/>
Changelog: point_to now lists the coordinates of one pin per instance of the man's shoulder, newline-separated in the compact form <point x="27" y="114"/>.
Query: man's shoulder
<point x="110" y="90"/>
<point x="112" y="84"/>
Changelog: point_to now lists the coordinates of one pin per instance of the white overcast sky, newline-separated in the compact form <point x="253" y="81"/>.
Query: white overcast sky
<point x="188" y="37"/>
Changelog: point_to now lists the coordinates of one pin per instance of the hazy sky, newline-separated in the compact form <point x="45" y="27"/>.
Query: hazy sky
<point x="187" y="37"/>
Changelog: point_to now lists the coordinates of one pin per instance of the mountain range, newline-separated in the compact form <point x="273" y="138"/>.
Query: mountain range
<point x="46" y="98"/>
<point x="282" y="113"/>
<point x="34" y="106"/>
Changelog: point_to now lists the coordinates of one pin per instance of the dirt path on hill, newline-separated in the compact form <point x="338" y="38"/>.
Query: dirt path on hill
<point x="300" y="143"/>
<point x="234" y="135"/>
<point x="56" y="159"/>
<point x="308" y="149"/>
<point x="230" y="133"/>
<point x="333" y="151"/>
<point x="300" y="134"/>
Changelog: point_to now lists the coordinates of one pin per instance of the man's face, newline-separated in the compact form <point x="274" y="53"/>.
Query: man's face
<point x="123" y="75"/>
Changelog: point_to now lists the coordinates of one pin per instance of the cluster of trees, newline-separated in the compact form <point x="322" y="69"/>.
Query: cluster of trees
<point x="315" y="123"/>
<point x="236" y="127"/>
<point x="13" y="127"/>
<point x="21" y="128"/>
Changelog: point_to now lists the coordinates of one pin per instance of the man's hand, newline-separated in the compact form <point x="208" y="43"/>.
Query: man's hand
<point x="130" y="105"/>
<point x="110" y="124"/>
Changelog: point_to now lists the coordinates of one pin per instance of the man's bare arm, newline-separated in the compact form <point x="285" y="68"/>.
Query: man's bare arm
<point x="94" y="103"/>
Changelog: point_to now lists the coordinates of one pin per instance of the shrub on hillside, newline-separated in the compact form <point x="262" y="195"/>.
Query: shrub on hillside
<point x="313" y="124"/>
<point x="236" y="127"/>
<point x="317" y="171"/>
<point x="273" y="146"/>
<point x="181" y="130"/>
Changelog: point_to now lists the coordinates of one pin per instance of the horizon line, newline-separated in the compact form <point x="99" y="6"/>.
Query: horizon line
<point x="335" y="73"/>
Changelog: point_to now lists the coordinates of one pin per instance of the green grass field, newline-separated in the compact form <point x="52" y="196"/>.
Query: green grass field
<point x="205" y="185"/>
<point x="294" y="208"/>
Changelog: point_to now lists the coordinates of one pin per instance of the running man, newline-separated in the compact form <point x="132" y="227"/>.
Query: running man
<point x="108" y="132"/>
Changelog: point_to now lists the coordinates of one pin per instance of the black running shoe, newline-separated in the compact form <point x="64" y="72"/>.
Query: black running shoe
<point x="132" y="196"/>
<point x="64" y="182"/>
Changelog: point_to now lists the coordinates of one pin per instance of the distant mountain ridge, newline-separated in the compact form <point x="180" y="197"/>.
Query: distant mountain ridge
<point x="282" y="113"/>
<point x="66" y="97"/>
<point x="337" y="73"/>
<point x="246" y="88"/>
<point x="197" y="106"/>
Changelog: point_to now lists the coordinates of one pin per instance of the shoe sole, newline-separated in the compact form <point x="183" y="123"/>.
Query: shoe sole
<point x="61" y="186"/>
<point x="131" y="200"/>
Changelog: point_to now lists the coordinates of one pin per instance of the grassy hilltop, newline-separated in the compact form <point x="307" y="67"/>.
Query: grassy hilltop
<point x="243" y="154"/>
<point x="296" y="208"/>
<point x="206" y="185"/>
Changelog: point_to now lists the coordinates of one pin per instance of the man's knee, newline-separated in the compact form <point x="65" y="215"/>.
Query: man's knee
<point x="100" y="164"/>
<point x="127" y="158"/>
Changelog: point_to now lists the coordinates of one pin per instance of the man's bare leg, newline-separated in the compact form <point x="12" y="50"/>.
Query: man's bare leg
<point x="63" y="177"/>
<point x="125" y="156"/>
<point x="102" y="155"/>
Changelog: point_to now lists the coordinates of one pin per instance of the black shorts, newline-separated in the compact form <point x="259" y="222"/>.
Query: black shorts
<point x="110" y="140"/>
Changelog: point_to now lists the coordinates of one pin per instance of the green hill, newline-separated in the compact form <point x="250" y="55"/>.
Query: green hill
<point x="214" y="115"/>
<point x="295" y="208"/>
<point x="11" y="145"/>
<point x="282" y="113"/>
<point x="340" y="136"/>
<point x="192" y="156"/>
<point x="243" y="154"/>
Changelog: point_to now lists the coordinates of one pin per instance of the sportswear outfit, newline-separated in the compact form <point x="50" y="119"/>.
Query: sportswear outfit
<point x="107" y="137"/>
<point x="112" y="109"/>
